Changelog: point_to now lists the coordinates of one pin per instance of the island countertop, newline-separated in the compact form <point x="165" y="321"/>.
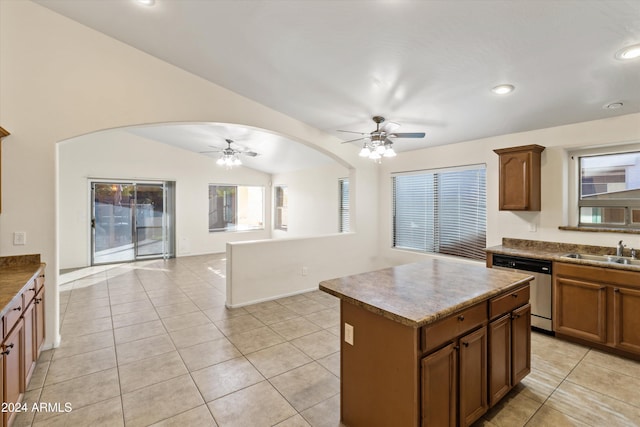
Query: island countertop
<point x="421" y="293"/>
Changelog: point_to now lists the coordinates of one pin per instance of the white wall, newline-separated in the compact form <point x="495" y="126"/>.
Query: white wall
<point x="118" y="154"/>
<point x="554" y="182"/>
<point x="261" y="271"/>
<point x="313" y="200"/>
<point x="60" y="80"/>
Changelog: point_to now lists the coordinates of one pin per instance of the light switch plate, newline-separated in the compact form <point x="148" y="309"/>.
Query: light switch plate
<point x="19" y="238"/>
<point x="348" y="333"/>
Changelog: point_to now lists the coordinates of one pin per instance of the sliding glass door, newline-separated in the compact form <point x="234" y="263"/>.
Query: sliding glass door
<point x="131" y="221"/>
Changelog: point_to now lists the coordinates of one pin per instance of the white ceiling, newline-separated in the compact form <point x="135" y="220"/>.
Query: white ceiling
<point x="275" y="153"/>
<point x="428" y="65"/>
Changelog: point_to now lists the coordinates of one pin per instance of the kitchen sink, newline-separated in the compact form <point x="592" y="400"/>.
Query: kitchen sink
<point x="604" y="258"/>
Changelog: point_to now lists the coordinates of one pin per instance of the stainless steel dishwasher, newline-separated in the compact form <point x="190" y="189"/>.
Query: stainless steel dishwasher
<point x="541" y="318"/>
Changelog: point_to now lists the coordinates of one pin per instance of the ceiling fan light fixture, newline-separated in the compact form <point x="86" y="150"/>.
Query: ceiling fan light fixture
<point x="365" y="152"/>
<point x="503" y="89"/>
<point x="375" y="155"/>
<point x="380" y="149"/>
<point x="629" y="52"/>
<point x="390" y="152"/>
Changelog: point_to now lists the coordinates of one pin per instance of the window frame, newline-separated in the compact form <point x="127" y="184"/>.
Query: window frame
<point x="344" y="212"/>
<point x="575" y="192"/>
<point x="235" y="228"/>
<point x="439" y="218"/>
<point x="280" y="210"/>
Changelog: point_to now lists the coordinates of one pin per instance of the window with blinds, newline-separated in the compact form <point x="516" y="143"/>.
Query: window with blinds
<point x="343" y="184"/>
<point x="443" y="211"/>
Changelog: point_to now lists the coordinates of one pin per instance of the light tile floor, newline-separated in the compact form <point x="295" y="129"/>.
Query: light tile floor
<point x="151" y="343"/>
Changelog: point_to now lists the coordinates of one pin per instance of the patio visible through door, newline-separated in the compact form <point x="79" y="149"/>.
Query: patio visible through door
<point x="131" y="221"/>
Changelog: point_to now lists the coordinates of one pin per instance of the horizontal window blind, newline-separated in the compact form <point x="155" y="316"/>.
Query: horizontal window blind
<point x="344" y="205"/>
<point x="442" y="212"/>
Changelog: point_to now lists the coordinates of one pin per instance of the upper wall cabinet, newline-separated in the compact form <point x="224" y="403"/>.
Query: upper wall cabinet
<point x="520" y="178"/>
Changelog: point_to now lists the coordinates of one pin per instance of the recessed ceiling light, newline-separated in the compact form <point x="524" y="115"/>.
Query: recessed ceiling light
<point x="613" y="106"/>
<point x="503" y="89"/>
<point x="146" y="2"/>
<point x="629" y="52"/>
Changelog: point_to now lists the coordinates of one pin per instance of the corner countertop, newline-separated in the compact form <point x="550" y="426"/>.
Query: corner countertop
<point x="421" y="293"/>
<point x="15" y="273"/>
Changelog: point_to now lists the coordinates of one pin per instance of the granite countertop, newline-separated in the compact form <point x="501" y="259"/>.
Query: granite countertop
<point x="421" y="293"/>
<point x="15" y="273"/>
<point x="553" y="251"/>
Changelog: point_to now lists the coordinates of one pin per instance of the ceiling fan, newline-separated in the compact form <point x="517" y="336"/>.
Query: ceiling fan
<point x="230" y="156"/>
<point x="378" y="143"/>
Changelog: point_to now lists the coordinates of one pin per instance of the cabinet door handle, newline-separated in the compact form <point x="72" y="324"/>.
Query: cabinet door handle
<point x="38" y="300"/>
<point x="17" y="309"/>
<point x="514" y="295"/>
<point x="7" y="349"/>
<point x="616" y="289"/>
<point x="466" y="344"/>
<point x="32" y="289"/>
<point x="461" y="317"/>
<point x="456" y="347"/>
<point x="515" y="316"/>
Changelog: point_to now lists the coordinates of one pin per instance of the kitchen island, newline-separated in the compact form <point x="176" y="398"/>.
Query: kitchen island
<point x="431" y="343"/>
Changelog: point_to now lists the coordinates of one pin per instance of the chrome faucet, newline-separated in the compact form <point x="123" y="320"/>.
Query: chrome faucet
<point x="620" y="248"/>
<point x="634" y="254"/>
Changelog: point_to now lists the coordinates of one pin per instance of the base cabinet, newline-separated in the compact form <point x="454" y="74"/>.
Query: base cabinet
<point x="581" y="309"/>
<point x="456" y="373"/>
<point x="23" y="336"/>
<point x="626" y="319"/>
<point x="510" y="349"/>
<point x="473" y="376"/>
<point x="39" y="332"/>
<point x="12" y="369"/>
<point x="440" y="387"/>
<point x="598" y="306"/>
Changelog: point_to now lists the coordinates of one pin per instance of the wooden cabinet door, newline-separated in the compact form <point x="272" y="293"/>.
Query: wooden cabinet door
<point x="520" y="343"/>
<point x="515" y="176"/>
<point x="13" y="368"/>
<point x="626" y="322"/>
<point x="473" y="376"/>
<point x="439" y="391"/>
<point x="29" y="353"/>
<point x="500" y="358"/>
<point x="581" y="309"/>
<point x="39" y="322"/>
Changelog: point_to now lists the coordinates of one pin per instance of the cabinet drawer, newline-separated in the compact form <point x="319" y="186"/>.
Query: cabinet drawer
<point x="453" y="326"/>
<point x="12" y="316"/>
<point x="507" y="302"/>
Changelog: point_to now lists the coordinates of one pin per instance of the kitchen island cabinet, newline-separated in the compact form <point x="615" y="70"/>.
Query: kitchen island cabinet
<point x="414" y="343"/>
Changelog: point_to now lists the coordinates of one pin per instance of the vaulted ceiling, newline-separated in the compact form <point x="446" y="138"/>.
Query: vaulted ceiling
<point x="427" y="65"/>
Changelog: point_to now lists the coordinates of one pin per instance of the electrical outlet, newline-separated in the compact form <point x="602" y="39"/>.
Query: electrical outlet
<point x="348" y="333"/>
<point x="19" y="238"/>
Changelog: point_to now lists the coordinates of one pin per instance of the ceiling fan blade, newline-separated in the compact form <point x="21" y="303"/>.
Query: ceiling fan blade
<point x="390" y="127"/>
<point x="350" y="131"/>
<point x="250" y="153"/>
<point x="353" y="140"/>
<point x="408" y="135"/>
<point x="207" y="152"/>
